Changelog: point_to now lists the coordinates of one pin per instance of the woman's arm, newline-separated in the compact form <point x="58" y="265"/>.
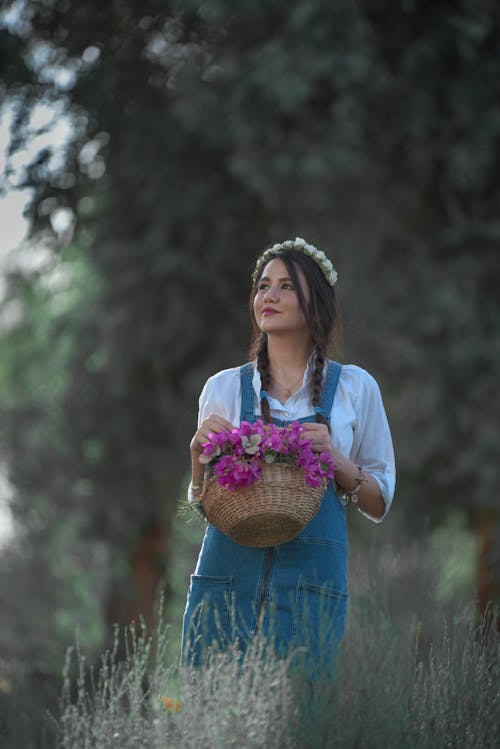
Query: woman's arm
<point x="211" y="423"/>
<point x="347" y="474"/>
<point x="218" y="406"/>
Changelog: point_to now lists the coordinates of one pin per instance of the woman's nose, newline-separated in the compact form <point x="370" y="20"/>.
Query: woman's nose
<point x="271" y="293"/>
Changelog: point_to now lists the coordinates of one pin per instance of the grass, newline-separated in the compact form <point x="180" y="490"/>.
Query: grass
<point x="415" y="671"/>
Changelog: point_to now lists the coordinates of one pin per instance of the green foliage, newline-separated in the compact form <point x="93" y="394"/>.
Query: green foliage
<point x="458" y="567"/>
<point x="51" y="583"/>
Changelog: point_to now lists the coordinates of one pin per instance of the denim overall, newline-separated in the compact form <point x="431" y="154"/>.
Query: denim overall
<point x="295" y="593"/>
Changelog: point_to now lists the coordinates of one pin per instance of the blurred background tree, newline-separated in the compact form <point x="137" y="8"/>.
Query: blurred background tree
<point x="200" y="133"/>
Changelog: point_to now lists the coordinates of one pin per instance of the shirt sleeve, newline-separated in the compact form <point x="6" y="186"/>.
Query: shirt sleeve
<point x="203" y="402"/>
<point x="220" y="395"/>
<point x="372" y="445"/>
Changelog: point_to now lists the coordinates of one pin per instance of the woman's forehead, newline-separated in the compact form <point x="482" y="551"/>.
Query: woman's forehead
<point x="276" y="268"/>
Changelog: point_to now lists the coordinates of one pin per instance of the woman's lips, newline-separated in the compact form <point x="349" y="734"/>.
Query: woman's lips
<point x="267" y="311"/>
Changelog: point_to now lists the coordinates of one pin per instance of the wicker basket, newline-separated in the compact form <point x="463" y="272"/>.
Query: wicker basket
<point x="271" y="511"/>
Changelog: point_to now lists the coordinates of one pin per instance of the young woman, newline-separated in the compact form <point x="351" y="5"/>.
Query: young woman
<point x="294" y="594"/>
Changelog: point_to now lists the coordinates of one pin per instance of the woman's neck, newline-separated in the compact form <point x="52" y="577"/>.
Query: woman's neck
<point x="288" y="358"/>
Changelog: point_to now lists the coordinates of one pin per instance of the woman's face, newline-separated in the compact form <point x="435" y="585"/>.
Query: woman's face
<point x="276" y="304"/>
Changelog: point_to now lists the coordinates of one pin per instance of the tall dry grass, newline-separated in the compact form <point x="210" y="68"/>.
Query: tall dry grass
<point x="415" y="671"/>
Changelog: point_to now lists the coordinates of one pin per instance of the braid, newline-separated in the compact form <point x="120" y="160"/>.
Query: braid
<point x="265" y="376"/>
<point x="317" y="385"/>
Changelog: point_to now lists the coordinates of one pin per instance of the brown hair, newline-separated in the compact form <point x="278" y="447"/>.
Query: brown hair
<point x="322" y="317"/>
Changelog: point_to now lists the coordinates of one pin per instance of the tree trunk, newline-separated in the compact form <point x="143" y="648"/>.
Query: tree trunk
<point x="488" y="573"/>
<point x="134" y="601"/>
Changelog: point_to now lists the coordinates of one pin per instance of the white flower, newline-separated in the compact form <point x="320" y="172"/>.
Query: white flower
<point x="251" y="444"/>
<point x="300" y="245"/>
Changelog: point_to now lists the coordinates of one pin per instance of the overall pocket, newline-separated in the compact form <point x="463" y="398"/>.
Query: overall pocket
<point x="206" y="618"/>
<point x="318" y="622"/>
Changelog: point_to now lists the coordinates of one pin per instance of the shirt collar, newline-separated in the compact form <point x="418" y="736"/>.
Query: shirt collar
<point x="256" y="381"/>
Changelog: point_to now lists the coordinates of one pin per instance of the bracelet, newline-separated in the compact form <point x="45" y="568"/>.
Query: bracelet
<point x="352" y="496"/>
<point x="196" y="490"/>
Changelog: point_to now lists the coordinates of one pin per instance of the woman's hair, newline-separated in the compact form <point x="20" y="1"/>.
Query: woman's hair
<point x="321" y="314"/>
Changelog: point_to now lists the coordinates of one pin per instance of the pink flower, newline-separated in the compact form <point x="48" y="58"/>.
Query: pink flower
<point x="245" y="474"/>
<point x="273" y="441"/>
<point x="245" y="429"/>
<point x="210" y="451"/>
<point x="237" y="457"/>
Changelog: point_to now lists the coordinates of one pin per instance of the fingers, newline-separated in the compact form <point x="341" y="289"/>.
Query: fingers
<point x="314" y="431"/>
<point x="213" y="423"/>
<point x="318" y="435"/>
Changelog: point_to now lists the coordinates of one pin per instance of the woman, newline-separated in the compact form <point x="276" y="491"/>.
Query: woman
<point x="295" y="594"/>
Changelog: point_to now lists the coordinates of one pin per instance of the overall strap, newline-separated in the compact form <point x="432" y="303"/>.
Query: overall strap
<point x="329" y="388"/>
<point x="247" y="412"/>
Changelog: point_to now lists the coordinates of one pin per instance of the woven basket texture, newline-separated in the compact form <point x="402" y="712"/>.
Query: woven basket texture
<point x="271" y="511"/>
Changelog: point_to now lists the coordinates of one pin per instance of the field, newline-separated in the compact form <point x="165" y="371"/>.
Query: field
<point x="417" y="670"/>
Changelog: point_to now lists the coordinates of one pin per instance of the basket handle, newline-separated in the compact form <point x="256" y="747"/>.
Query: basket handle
<point x="204" y="486"/>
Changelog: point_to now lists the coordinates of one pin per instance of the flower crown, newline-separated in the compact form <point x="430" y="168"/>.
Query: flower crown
<point x="299" y="245"/>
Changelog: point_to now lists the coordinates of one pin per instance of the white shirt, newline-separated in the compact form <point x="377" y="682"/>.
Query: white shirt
<point x="359" y="424"/>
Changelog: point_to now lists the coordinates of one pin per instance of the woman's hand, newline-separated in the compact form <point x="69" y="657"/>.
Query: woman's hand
<point x="320" y="437"/>
<point x="369" y="496"/>
<point x="321" y="442"/>
<point x="212" y="423"/>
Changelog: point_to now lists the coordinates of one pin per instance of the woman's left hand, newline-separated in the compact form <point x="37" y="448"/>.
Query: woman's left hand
<point x="346" y="472"/>
<point x="320" y="437"/>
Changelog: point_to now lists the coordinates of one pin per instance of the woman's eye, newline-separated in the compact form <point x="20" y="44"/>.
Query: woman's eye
<point x="287" y="286"/>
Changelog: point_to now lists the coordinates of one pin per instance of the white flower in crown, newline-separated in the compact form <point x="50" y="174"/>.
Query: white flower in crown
<point x="300" y="245"/>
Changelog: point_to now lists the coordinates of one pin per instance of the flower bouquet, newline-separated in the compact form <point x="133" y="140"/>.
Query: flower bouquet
<point x="263" y="483"/>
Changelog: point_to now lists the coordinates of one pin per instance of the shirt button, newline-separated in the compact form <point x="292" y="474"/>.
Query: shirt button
<point x="286" y="413"/>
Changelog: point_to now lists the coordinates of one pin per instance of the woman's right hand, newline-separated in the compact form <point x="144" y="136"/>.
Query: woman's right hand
<point x="212" y="423"/>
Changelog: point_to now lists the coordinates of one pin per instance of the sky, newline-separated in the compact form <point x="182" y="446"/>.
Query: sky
<point x="6" y="524"/>
<point x="12" y="202"/>
<point x="50" y="128"/>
